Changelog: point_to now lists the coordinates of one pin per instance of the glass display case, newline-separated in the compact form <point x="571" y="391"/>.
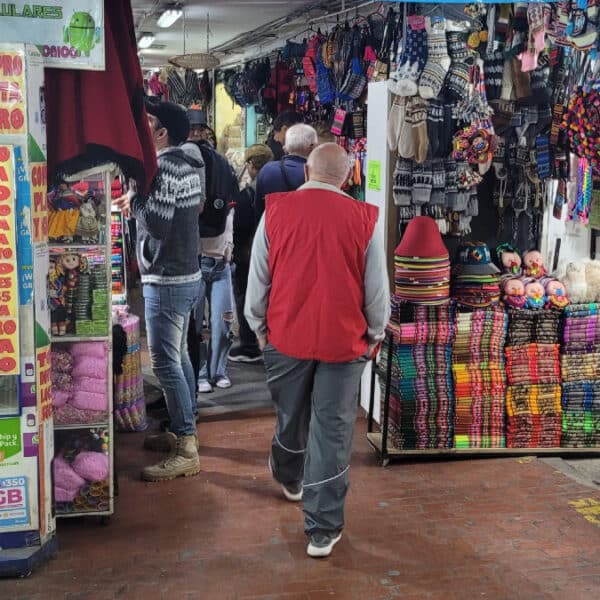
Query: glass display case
<point x="80" y="282"/>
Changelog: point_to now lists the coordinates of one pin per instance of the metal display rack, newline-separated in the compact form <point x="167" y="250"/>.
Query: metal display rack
<point x="95" y="498"/>
<point x="118" y="257"/>
<point x="386" y="452"/>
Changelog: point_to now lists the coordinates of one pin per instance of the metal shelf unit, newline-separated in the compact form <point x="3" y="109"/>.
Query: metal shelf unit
<point x="386" y="452"/>
<point x="102" y="178"/>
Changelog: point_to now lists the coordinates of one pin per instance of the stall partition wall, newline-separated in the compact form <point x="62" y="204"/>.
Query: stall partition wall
<point x="380" y="167"/>
<point x="27" y="524"/>
<point x="563" y="241"/>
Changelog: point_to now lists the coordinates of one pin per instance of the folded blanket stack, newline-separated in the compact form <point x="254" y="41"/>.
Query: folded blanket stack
<point x="421" y="396"/>
<point x="580" y="366"/>
<point x="533" y="406"/>
<point x="129" y="402"/>
<point x="479" y="379"/>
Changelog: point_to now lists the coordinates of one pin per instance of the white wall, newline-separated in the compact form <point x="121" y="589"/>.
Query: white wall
<point x="575" y="237"/>
<point x="377" y="116"/>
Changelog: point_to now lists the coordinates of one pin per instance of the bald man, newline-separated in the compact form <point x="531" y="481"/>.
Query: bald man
<point x="318" y="301"/>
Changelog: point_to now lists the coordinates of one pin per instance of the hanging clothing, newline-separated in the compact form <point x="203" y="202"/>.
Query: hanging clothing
<point x="183" y="90"/>
<point x="94" y="117"/>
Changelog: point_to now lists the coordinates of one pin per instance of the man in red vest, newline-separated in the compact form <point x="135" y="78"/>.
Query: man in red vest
<point x="318" y="301"/>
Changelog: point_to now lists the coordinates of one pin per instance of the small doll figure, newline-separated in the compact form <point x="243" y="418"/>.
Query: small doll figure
<point x="510" y="261"/>
<point x="514" y="293"/>
<point x="534" y="293"/>
<point x="63" y="212"/>
<point x="71" y="264"/>
<point x="56" y="299"/>
<point x="556" y="294"/>
<point x="533" y="265"/>
<point x="87" y="226"/>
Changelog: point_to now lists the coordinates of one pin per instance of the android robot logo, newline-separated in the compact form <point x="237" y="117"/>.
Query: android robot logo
<point x="82" y="32"/>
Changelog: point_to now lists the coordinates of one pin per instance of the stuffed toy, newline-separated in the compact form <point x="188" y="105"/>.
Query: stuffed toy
<point x="87" y="225"/>
<point x="556" y="293"/>
<point x="534" y="294"/>
<point x="575" y="282"/>
<point x="56" y="299"/>
<point x="509" y="259"/>
<point x="92" y="466"/>
<point x="67" y="482"/>
<point x="63" y="213"/>
<point x="89" y="400"/>
<point x="592" y="278"/>
<point x="533" y="265"/>
<point x="513" y="292"/>
<point x="72" y="264"/>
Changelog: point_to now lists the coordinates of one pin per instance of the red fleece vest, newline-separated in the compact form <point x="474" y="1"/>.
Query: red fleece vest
<point x="317" y="244"/>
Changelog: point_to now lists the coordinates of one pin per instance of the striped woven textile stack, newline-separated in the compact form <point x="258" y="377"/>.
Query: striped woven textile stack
<point x="421" y="396"/>
<point x="580" y="366"/>
<point x="533" y="396"/>
<point x="129" y="402"/>
<point x="479" y="378"/>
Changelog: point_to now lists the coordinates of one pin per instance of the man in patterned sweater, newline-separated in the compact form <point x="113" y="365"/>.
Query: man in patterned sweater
<point x="167" y="242"/>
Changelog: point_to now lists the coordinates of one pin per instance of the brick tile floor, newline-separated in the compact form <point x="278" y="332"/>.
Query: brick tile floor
<point x="464" y="529"/>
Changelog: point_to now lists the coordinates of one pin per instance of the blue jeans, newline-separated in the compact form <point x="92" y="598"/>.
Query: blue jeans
<point x="168" y="310"/>
<point x="217" y="289"/>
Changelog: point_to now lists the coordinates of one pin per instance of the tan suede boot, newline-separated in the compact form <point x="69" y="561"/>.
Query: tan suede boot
<point x="163" y="441"/>
<point x="183" y="461"/>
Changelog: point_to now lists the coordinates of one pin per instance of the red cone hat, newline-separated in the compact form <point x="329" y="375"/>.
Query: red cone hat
<point x="422" y="238"/>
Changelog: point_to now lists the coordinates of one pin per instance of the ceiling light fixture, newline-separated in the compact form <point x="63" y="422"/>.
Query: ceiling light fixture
<point x="169" y="17"/>
<point x="146" y="40"/>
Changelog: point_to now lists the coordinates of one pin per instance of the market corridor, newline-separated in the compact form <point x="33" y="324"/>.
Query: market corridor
<point x="500" y="529"/>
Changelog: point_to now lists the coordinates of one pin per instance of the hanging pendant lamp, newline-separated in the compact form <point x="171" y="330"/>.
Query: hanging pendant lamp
<point x="197" y="60"/>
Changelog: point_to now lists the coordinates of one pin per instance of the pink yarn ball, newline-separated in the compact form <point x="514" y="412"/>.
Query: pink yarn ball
<point x="65" y="476"/>
<point x="92" y="466"/>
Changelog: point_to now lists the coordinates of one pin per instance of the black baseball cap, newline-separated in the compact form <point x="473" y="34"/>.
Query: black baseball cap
<point x="172" y="117"/>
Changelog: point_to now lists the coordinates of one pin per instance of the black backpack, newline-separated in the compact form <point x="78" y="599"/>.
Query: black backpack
<point x="222" y="191"/>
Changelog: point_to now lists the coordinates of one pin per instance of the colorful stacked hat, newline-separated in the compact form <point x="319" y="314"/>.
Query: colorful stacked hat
<point x="475" y="278"/>
<point x="422" y="264"/>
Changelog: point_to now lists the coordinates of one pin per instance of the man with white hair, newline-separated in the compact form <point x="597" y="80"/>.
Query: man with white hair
<point x="287" y="174"/>
<point x="318" y="301"/>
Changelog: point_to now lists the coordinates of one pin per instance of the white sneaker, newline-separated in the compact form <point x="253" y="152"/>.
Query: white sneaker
<point x="322" y="542"/>
<point x="223" y="383"/>
<point x="204" y="387"/>
<point x="292" y="494"/>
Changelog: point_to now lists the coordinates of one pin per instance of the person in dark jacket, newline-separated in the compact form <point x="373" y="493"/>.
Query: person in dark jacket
<point x="287" y="174"/>
<point x="256" y="157"/>
<point x="281" y="124"/>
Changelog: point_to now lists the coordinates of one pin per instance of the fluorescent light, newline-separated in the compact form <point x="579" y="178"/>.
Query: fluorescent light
<point x="169" y="17"/>
<point x="146" y="40"/>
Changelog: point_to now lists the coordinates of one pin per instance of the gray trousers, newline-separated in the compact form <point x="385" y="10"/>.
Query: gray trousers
<point x="316" y="406"/>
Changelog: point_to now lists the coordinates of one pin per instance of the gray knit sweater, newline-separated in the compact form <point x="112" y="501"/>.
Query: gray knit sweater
<point x="167" y="222"/>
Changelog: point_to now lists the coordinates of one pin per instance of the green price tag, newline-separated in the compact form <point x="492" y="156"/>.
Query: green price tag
<point x="374" y="175"/>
